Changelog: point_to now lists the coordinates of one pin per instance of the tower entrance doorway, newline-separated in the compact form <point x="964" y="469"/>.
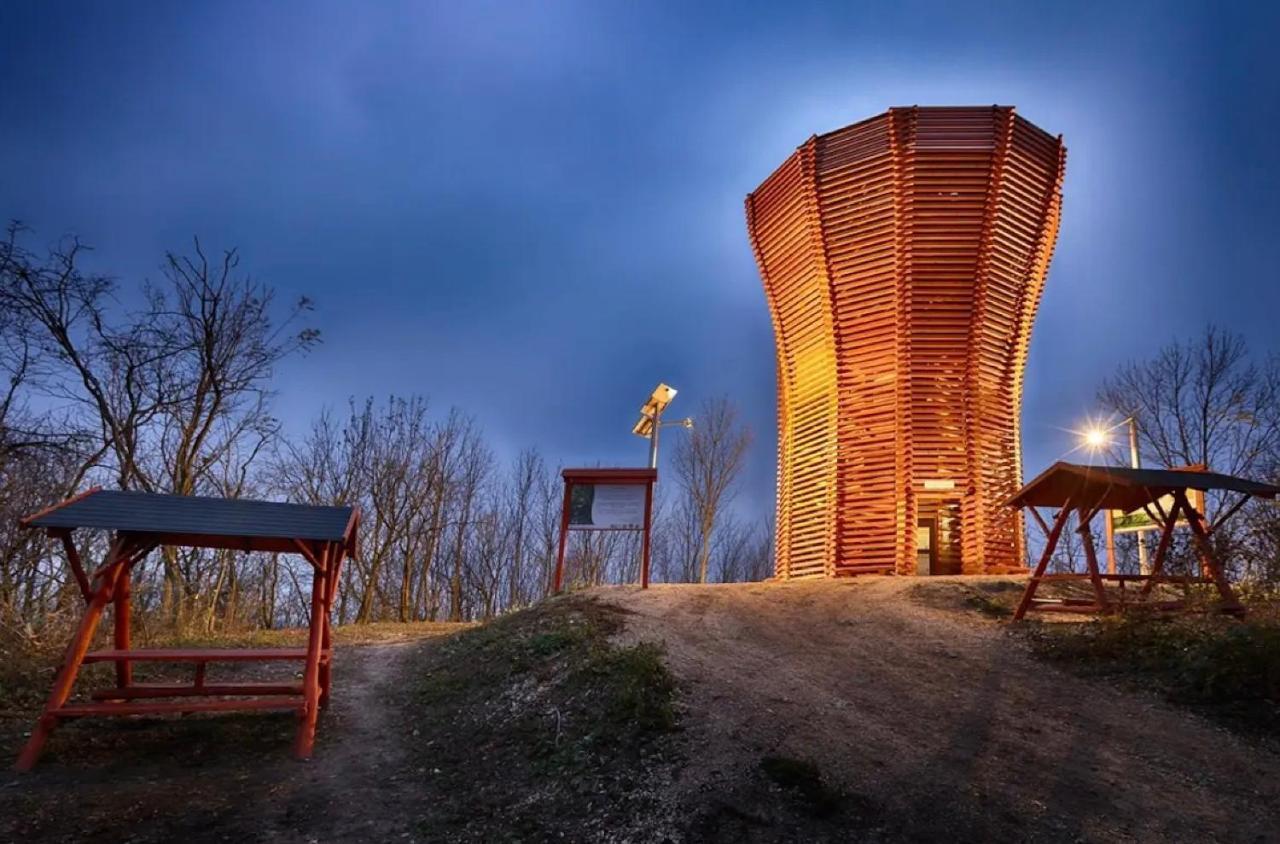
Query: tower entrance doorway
<point x="926" y="546"/>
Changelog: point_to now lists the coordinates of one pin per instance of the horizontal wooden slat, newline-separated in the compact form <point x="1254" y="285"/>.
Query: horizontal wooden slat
<point x="171" y="707"/>
<point x="154" y="690"/>
<point x="202" y="655"/>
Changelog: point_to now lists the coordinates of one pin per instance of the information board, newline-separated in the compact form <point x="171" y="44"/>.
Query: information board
<point x="606" y="499"/>
<point x="606" y="507"/>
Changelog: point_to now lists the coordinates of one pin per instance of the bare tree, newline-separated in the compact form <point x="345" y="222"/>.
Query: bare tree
<point x="677" y="537"/>
<point x="1202" y="401"/>
<point x="707" y="464"/>
<point x="1208" y="401"/>
<point x="476" y="465"/>
<point x="172" y="392"/>
<point x="74" y="354"/>
<point x="760" y="556"/>
<point x="526" y="475"/>
<point x="449" y="439"/>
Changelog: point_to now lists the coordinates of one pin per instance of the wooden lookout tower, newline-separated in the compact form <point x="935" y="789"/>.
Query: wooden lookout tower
<point x="903" y="259"/>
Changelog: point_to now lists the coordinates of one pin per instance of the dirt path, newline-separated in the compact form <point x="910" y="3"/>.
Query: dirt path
<point x="935" y="724"/>
<point x="228" y="778"/>
<point x="356" y="780"/>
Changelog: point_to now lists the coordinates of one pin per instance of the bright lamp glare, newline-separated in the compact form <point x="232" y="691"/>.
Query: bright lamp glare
<point x="1096" y="438"/>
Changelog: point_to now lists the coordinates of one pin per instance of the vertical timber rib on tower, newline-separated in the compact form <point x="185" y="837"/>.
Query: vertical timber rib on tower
<point x="903" y="259"/>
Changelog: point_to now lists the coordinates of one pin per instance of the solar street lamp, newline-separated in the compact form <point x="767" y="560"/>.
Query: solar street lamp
<point x="1096" y="438"/>
<point x="651" y="423"/>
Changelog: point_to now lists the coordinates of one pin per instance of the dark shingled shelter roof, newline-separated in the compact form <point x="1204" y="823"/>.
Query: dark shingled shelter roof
<point x="259" y="525"/>
<point x="1122" y="488"/>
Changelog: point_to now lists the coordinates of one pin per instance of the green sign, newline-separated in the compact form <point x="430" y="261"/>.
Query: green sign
<point x="1138" y="520"/>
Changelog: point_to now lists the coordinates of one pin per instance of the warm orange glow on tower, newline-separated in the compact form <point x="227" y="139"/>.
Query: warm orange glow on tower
<point x="903" y="258"/>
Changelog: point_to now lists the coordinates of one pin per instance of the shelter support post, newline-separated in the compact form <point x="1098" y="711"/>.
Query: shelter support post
<point x="1169" y="520"/>
<point x="100" y="596"/>
<point x="1051" y="543"/>
<point x="306" y="736"/>
<point x="1199" y="536"/>
<point x="120" y="621"/>
<point x="1208" y="559"/>
<point x="1091" y="558"/>
<point x="334" y="557"/>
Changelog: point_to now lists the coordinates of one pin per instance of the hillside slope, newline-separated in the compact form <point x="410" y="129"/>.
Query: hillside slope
<point x="927" y="723"/>
<point x="881" y="709"/>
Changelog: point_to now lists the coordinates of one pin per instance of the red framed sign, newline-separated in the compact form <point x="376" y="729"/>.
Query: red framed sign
<point x="607" y="499"/>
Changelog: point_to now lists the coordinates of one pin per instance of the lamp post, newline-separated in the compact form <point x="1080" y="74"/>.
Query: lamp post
<point x="1143" y="566"/>
<point x="1097" y="438"/>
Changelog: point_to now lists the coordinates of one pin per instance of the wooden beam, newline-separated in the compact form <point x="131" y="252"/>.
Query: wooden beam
<point x="198" y="655"/>
<point x="311" y="554"/>
<point x="1231" y="511"/>
<point x="1169" y="521"/>
<point x="26" y="522"/>
<point x="74" y="658"/>
<point x="1091" y="558"/>
<point x="1052" y="542"/>
<point x="332" y="556"/>
<point x="304" y="741"/>
<point x="73" y="560"/>
<point x="1044" y="528"/>
<point x="81" y="710"/>
<point x="644" y="540"/>
<point x="162" y="690"/>
<point x="132" y="549"/>
<point x="120" y="626"/>
<point x="558" y="580"/>
<point x="1109" y="516"/>
<point x="1207" y="557"/>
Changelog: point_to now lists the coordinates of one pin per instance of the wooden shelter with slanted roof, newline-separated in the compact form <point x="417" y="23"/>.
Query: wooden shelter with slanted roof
<point x="1087" y="490"/>
<point x="140" y="522"/>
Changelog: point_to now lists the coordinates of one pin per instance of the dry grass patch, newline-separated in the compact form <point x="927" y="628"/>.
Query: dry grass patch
<point x="538" y="726"/>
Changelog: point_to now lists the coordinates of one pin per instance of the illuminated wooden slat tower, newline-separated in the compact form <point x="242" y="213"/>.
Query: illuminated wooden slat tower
<point x="903" y="258"/>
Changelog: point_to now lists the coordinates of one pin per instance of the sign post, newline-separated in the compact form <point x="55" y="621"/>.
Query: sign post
<point x="607" y="499"/>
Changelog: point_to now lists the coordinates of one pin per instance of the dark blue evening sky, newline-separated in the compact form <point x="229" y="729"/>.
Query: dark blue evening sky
<point x="534" y="210"/>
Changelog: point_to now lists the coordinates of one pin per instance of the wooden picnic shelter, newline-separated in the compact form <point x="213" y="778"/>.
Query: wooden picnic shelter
<point x="140" y="522"/>
<point x="1084" y="491"/>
